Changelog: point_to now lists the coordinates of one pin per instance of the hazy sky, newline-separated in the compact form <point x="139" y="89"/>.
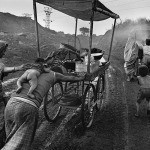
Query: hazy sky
<point x="126" y="9"/>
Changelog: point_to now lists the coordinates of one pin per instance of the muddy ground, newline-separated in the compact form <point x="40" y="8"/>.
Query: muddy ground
<point x="114" y="126"/>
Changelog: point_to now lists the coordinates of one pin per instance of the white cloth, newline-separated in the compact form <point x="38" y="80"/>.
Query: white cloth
<point x="146" y="50"/>
<point x="26" y="101"/>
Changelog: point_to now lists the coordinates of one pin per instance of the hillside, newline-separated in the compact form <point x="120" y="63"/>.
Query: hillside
<point x="11" y="24"/>
<point x="19" y="32"/>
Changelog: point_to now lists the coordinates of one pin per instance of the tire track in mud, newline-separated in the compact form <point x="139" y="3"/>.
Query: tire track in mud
<point x="116" y="100"/>
<point x="113" y="118"/>
<point x="138" y="129"/>
<point x="110" y="127"/>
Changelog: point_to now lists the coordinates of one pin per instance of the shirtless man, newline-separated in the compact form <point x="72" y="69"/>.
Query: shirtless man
<point x="31" y="75"/>
<point x="21" y="113"/>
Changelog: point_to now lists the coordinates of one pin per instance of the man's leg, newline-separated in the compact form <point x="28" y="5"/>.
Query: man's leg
<point x="137" y="109"/>
<point x="20" y="130"/>
<point x="138" y="102"/>
<point x="2" y="126"/>
<point x="148" y="107"/>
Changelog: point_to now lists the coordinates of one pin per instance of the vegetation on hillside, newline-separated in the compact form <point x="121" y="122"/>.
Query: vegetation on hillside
<point x="19" y="32"/>
<point x="84" y="31"/>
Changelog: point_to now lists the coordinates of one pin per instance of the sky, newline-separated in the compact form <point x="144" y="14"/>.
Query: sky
<point x="126" y="9"/>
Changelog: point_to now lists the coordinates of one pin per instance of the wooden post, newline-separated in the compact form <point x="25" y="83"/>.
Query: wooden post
<point x="36" y="28"/>
<point x="75" y="35"/>
<point x="112" y="39"/>
<point x="90" y="45"/>
<point x="90" y="38"/>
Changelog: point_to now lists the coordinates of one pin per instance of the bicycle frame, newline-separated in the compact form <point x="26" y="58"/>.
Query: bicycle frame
<point x="91" y="10"/>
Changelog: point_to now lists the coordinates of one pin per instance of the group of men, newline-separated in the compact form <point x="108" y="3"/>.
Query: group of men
<point x="138" y="67"/>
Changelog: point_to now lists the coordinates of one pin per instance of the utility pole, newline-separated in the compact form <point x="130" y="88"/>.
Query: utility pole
<point x="48" y="12"/>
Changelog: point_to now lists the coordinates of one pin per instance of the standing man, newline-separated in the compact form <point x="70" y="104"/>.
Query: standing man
<point x="4" y="72"/>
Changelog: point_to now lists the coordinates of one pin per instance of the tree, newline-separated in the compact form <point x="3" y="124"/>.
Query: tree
<point x="27" y="15"/>
<point x="84" y="31"/>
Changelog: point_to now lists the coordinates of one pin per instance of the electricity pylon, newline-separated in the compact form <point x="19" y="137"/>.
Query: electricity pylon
<point x="48" y="12"/>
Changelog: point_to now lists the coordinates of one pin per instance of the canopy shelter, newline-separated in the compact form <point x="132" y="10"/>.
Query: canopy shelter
<point x="81" y="9"/>
<point x="87" y="10"/>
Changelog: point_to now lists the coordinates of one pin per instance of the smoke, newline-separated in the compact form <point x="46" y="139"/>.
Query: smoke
<point x="140" y="34"/>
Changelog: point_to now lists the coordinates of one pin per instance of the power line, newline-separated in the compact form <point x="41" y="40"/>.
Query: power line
<point x="133" y="8"/>
<point x="48" y="12"/>
<point x="130" y="2"/>
<point x="110" y="1"/>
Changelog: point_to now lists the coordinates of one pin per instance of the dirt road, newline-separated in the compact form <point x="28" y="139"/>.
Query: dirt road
<point x="114" y="127"/>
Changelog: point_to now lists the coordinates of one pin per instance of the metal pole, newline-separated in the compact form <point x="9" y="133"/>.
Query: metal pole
<point x="90" y="45"/>
<point x="36" y="27"/>
<point x="112" y="39"/>
<point x="90" y="38"/>
<point x="75" y="32"/>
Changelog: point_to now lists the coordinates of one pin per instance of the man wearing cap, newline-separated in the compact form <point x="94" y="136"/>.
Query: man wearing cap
<point x="4" y="72"/>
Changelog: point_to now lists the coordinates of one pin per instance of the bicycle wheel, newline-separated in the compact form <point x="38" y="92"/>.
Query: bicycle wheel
<point x="51" y="106"/>
<point x="88" y="108"/>
<point x="100" y="87"/>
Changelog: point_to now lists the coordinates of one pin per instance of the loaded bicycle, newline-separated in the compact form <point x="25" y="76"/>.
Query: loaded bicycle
<point x="90" y="92"/>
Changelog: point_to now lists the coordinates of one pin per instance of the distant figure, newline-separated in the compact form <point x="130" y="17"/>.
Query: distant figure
<point x="144" y="91"/>
<point x="31" y="76"/>
<point x="132" y="56"/>
<point x="146" y="53"/>
<point x="96" y="50"/>
<point x="96" y="54"/>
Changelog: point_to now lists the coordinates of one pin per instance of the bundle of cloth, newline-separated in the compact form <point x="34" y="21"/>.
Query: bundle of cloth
<point x="132" y="54"/>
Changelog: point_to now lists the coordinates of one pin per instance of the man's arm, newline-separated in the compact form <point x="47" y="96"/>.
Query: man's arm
<point x="140" y="54"/>
<point x="61" y="77"/>
<point x="13" y="69"/>
<point x="138" y="80"/>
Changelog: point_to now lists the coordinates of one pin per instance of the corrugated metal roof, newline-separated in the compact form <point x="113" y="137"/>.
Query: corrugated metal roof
<point x="81" y="9"/>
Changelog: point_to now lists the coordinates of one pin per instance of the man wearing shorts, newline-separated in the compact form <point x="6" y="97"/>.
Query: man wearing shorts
<point x="144" y="91"/>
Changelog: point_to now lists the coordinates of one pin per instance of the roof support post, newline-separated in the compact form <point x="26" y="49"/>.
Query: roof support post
<point x="75" y="35"/>
<point x="36" y="27"/>
<point x="112" y="39"/>
<point x="90" y="38"/>
<point x="90" y="45"/>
